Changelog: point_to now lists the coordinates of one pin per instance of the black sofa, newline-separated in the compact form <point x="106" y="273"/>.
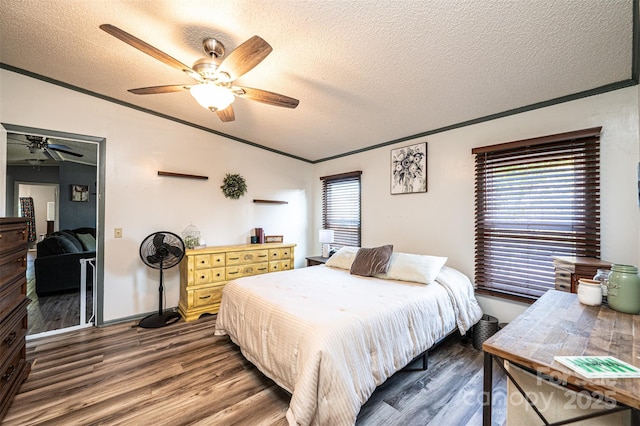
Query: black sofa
<point x="57" y="264"/>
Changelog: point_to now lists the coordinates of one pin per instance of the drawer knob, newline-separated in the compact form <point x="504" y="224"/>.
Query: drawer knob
<point x="11" y="338"/>
<point x="204" y="297"/>
<point x="7" y="376"/>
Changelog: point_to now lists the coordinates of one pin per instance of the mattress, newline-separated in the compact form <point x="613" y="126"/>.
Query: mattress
<point x="330" y="338"/>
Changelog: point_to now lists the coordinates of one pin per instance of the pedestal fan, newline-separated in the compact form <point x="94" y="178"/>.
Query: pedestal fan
<point x="161" y="250"/>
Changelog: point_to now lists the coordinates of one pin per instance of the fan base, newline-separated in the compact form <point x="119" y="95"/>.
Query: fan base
<point x="159" y="320"/>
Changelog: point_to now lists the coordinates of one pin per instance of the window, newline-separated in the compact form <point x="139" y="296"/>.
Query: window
<point x="341" y="207"/>
<point x="535" y="199"/>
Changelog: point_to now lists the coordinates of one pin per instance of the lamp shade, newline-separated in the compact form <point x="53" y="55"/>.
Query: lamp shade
<point x="326" y="236"/>
<point x="211" y="96"/>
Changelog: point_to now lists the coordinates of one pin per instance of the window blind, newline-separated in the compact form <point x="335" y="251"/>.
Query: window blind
<point x="341" y="207"/>
<point x="535" y="199"/>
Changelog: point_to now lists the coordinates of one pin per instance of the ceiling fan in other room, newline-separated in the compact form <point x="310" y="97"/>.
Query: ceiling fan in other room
<point x="39" y="144"/>
<point x="214" y="76"/>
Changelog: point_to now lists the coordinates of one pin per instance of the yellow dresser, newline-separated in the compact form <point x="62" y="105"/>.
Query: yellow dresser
<point x="204" y="272"/>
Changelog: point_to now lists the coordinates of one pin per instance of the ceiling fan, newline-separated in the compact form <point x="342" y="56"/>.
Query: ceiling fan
<point x="214" y="76"/>
<point x="37" y="144"/>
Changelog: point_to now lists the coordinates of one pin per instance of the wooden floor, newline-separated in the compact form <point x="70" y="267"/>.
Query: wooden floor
<point x="52" y="312"/>
<point x="183" y="374"/>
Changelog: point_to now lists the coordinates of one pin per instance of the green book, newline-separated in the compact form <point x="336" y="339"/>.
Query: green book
<point x="594" y="367"/>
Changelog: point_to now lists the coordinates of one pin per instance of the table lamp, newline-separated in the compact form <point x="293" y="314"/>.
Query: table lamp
<point x="326" y="238"/>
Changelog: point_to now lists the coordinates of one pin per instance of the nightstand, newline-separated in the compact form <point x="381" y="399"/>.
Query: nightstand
<point x="316" y="260"/>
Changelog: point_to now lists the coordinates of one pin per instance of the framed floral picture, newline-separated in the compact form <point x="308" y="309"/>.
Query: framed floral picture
<point x="409" y="169"/>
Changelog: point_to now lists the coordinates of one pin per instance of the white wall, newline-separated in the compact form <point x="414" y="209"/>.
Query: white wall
<point x="437" y="222"/>
<point x="441" y="222"/>
<point x="140" y="202"/>
<point x="41" y="194"/>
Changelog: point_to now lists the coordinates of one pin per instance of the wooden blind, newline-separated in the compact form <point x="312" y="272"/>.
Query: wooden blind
<point x="341" y="207"/>
<point x="535" y="199"/>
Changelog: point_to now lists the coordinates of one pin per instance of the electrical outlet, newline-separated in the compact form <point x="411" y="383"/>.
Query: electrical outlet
<point x="117" y="232"/>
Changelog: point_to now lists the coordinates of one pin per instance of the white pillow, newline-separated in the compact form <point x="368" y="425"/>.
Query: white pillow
<point x="417" y="268"/>
<point x="343" y="258"/>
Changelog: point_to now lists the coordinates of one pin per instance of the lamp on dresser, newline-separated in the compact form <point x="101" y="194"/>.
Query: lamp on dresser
<point x="326" y="238"/>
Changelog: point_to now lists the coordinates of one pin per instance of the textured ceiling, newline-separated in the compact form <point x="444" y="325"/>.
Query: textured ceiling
<point x="366" y="72"/>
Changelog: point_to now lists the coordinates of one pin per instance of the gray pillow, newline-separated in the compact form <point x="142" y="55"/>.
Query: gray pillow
<point x="88" y="242"/>
<point x="73" y="240"/>
<point x="371" y="261"/>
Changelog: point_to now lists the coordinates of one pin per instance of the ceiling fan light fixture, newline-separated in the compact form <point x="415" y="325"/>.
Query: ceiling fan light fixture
<point x="212" y="97"/>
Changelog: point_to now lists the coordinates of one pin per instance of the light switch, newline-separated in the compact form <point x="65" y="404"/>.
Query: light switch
<point x="117" y="232"/>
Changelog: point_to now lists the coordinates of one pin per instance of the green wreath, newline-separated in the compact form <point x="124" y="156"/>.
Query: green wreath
<point x="233" y="186"/>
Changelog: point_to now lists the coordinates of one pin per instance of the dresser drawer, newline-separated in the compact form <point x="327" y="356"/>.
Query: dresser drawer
<point x="281" y="253"/>
<point x="246" y="270"/>
<point x="11" y="295"/>
<point x="563" y="280"/>
<point x="213" y="275"/>
<point x="207" y="296"/>
<point x="274" y="266"/>
<point x="14" y="328"/>
<point x="13" y="237"/>
<point x="203" y="261"/>
<point x="250" y="256"/>
<point x="285" y="265"/>
<point x="12" y="264"/>
<point x="11" y="371"/>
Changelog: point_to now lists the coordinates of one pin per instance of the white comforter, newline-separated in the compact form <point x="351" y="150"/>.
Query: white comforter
<point x="330" y="338"/>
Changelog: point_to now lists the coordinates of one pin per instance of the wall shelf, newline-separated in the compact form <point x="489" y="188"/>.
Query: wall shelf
<point x="270" y="202"/>
<point x="182" y="175"/>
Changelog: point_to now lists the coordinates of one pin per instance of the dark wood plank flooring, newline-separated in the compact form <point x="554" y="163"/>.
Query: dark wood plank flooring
<point x="53" y="312"/>
<point x="183" y="374"/>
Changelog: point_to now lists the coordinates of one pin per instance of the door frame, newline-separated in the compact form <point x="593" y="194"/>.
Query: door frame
<point x="16" y="198"/>
<point x="100" y="187"/>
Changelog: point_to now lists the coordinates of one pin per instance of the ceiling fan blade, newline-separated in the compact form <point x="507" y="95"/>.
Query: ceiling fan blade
<point x="245" y="57"/>
<point x="226" y="114"/>
<point x="266" y="97"/>
<point x="145" y="48"/>
<point x="57" y="146"/>
<point x="75" y="154"/>
<point x="160" y="89"/>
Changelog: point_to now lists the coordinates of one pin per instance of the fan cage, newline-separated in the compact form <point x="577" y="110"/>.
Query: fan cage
<point x="148" y="249"/>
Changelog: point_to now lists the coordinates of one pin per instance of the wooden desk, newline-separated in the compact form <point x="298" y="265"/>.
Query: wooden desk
<point x="558" y="324"/>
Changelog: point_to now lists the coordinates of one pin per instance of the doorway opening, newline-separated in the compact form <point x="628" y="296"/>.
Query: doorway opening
<point x="56" y="179"/>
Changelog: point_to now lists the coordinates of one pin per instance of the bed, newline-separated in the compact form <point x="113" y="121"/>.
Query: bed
<point x="330" y="337"/>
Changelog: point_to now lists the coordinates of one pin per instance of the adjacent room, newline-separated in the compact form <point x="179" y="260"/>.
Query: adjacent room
<point x="319" y="213"/>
